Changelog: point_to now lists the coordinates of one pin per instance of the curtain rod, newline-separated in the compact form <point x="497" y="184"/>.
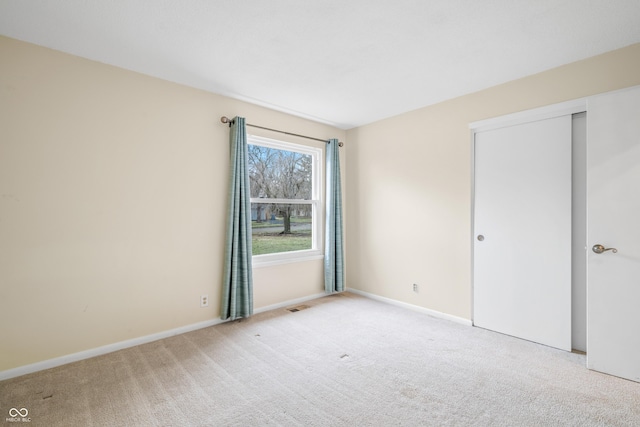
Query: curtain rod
<point x="225" y="119"/>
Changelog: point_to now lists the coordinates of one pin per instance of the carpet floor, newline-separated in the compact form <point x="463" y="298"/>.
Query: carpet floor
<point x="345" y="360"/>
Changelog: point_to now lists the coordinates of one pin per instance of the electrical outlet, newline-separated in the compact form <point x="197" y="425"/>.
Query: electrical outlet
<point x="415" y="287"/>
<point x="204" y="300"/>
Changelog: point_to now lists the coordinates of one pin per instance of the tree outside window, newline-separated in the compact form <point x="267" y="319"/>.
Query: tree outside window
<point x="283" y="179"/>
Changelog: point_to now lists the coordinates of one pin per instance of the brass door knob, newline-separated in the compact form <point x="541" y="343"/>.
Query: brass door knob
<point x="601" y="249"/>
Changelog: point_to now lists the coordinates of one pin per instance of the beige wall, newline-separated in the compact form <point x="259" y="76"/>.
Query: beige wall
<point x="112" y="204"/>
<point x="409" y="183"/>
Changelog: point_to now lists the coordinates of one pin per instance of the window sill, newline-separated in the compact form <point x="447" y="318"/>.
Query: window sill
<point x="259" y="261"/>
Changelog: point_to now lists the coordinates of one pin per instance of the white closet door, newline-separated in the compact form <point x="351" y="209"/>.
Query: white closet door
<point x="522" y="231"/>
<point x="613" y="215"/>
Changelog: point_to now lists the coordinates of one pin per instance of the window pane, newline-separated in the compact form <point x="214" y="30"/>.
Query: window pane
<point x="280" y="228"/>
<point x="279" y="174"/>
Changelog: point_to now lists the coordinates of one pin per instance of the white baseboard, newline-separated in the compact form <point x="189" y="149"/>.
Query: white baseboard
<point x="288" y="303"/>
<point x="99" y="351"/>
<point x="417" y="308"/>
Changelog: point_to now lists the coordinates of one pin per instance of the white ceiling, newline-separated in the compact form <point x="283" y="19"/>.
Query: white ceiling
<point x="342" y="62"/>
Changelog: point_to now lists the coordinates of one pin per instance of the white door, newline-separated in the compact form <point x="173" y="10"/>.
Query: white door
<point x="613" y="221"/>
<point x="522" y="231"/>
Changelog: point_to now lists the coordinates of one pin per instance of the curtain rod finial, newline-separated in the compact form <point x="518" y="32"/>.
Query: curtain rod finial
<point x="225" y="119"/>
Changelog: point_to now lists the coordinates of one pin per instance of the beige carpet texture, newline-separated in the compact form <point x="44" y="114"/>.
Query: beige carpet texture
<point x="345" y="360"/>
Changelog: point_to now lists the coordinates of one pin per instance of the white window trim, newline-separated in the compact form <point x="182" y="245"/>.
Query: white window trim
<point x="316" y="252"/>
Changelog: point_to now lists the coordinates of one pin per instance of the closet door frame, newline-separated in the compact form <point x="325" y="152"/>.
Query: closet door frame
<point x="543" y="113"/>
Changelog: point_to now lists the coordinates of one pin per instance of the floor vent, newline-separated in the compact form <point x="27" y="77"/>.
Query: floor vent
<point x="297" y="308"/>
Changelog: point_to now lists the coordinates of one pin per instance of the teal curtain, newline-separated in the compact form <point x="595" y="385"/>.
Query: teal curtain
<point x="237" y="293"/>
<point x="333" y="253"/>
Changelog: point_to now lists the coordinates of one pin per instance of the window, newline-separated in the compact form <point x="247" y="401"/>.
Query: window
<point x="284" y="179"/>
